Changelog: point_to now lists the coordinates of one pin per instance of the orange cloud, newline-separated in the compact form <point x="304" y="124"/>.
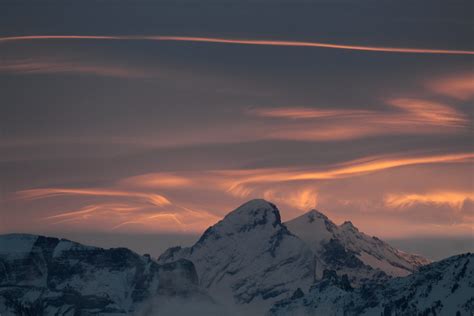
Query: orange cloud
<point x="124" y="207"/>
<point x="169" y="220"/>
<point x="304" y="199"/>
<point x="242" y="182"/>
<point x="453" y="199"/>
<point x="164" y="218"/>
<point x="244" y="42"/>
<point x="158" y="180"/>
<point x="154" y="199"/>
<point x="330" y="131"/>
<point x="381" y="163"/>
<point x="428" y="112"/>
<point x="92" y="208"/>
<point x="350" y="169"/>
<point x="306" y="113"/>
<point x="113" y="216"/>
<point x="149" y="211"/>
<point x="406" y="116"/>
<point x="414" y="116"/>
<point x="459" y="86"/>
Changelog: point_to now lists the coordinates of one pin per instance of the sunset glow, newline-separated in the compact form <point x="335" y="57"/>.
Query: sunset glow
<point x="146" y="205"/>
<point x="458" y="86"/>
<point x="164" y="127"/>
<point x="154" y="199"/>
<point x="453" y="199"/>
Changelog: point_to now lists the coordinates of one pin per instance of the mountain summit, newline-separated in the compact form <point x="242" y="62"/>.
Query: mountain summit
<point x="249" y="257"/>
<point x="252" y="259"/>
<point x="255" y="214"/>
<point x="346" y="250"/>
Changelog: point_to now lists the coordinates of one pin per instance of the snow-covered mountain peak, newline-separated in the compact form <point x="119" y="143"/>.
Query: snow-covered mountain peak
<point x="314" y="214"/>
<point x="347" y="250"/>
<point x="257" y="218"/>
<point x="249" y="256"/>
<point x="348" y="226"/>
<point x="250" y="215"/>
<point x="312" y="227"/>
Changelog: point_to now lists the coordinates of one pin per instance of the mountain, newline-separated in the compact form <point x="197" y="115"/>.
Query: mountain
<point x="49" y="276"/>
<point x="346" y="250"/>
<point x="248" y="263"/>
<point x="252" y="259"/>
<point x="441" y="288"/>
<point x="249" y="258"/>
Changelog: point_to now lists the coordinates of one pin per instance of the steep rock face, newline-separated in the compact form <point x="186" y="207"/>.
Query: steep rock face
<point x="49" y="276"/>
<point x="346" y="250"/>
<point x="249" y="257"/>
<point x="442" y="288"/>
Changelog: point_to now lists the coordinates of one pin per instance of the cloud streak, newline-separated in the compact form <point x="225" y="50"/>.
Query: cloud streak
<point x="405" y="116"/>
<point x="150" y="211"/>
<point x="459" y="86"/>
<point x="428" y="112"/>
<point x="241" y="182"/>
<point x="411" y="111"/>
<point x="303" y="199"/>
<point x="215" y="40"/>
<point x="345" y="170"/>
<point x="164" y="180"/>
<point x="141" y="203"/>
<point x="453" y="199"/>
<point x="152" y="198"/>
<point x="306" y="113"/>
<point x="40" y="66"/>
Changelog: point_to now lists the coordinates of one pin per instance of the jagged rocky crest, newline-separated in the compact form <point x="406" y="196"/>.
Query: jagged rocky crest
<point x="350" y="252"/>
<point x="49" y="276"/>
<point x="440" y="288"/>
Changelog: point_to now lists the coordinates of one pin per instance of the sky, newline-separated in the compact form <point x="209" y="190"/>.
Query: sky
<point x="138" y="118"/>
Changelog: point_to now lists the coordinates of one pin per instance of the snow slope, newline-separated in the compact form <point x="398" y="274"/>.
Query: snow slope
<point x="249" y="258"/>
<point x="49" y="276"/>
<point x="441" y="288"/>
<point x="346" y="250"/>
